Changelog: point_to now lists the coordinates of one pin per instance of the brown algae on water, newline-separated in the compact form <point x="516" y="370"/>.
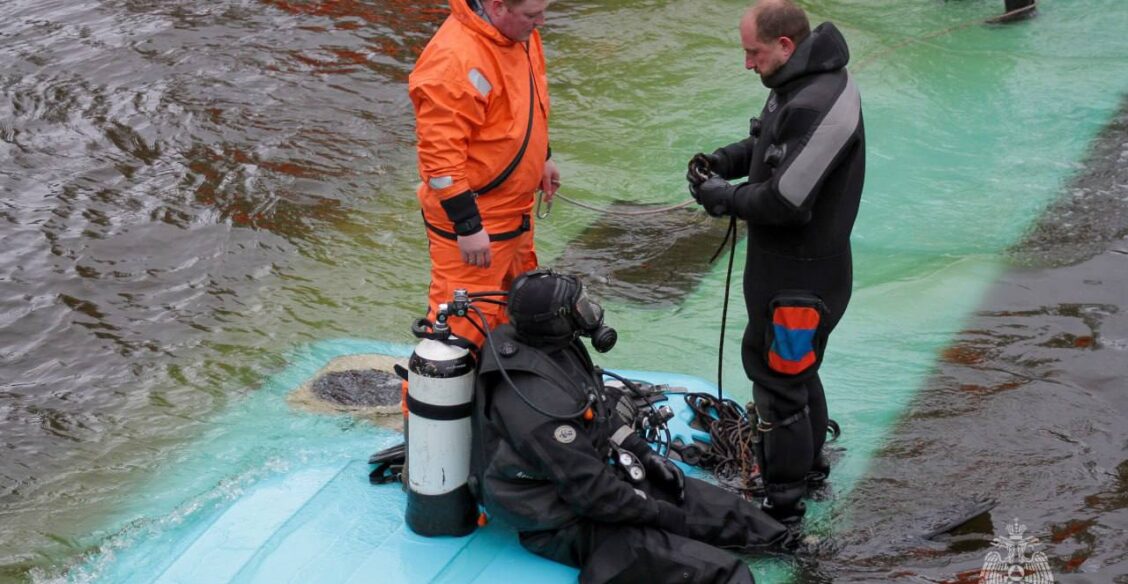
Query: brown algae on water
<point x="364" y="386"/>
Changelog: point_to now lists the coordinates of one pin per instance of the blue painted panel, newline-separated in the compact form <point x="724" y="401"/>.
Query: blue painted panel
<point x="316" y="518"/>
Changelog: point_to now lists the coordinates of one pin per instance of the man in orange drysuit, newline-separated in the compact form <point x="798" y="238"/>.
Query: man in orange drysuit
<point x="481" y="108"/>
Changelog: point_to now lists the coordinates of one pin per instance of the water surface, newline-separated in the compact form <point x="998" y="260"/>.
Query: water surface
<point x="193" y="192"/>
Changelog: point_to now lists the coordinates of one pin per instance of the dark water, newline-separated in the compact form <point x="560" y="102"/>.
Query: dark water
<point x="1027" y="407"/>
<point x="177" y="177"/>
<point x="658" y="267"/>
<point x="189" y="190"/>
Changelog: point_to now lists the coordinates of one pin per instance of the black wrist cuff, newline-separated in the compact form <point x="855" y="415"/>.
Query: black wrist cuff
<point x="549" y="152"/>
<point x="462" y="210"/>
<point x="469" y="226"/>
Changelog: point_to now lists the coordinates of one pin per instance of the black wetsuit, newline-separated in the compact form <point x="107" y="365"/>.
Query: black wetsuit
<point x="805" y="164"/>
<point x="552" y="479"/>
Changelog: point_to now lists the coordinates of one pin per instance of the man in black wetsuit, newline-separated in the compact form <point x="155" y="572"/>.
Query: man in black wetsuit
<point x="553" y="459"/>
<point x="803" y="165"/>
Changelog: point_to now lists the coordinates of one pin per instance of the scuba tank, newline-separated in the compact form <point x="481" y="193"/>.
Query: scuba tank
<point x="440" y="389"/>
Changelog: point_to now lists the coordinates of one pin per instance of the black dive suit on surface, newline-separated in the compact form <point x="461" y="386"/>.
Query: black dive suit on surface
<point x="552" y="479"/>
<point x="805" y="164"/>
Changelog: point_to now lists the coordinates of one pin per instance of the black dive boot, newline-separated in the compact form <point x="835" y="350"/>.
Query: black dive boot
<point x="820" y="470"/>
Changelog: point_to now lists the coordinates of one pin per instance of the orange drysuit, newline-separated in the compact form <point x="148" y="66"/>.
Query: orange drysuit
<point x="481" y="115"/>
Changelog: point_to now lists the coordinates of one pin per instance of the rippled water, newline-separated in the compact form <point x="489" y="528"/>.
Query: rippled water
<point x="192" y="190"/>
<point x="189" y="189"/>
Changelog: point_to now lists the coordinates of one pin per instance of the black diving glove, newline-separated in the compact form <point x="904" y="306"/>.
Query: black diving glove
<point x="716" y="195"/>
<point x="701" y="167"/>
<point x="664" y="474"/>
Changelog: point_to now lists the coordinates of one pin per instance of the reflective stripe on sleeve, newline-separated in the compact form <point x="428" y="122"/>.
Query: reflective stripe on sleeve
<point x="830" y="137"/>
<point x="440" y="182"/>
<point x="479" y="81"/>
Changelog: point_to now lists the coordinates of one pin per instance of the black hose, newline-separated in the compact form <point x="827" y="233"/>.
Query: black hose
<point x="521" y="394"/>
<point x="659" y="435"/>
<point x="730" y="237"/>
<point x="627" y="382"/>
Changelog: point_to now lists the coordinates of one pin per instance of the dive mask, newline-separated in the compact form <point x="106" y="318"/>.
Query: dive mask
<point x="568" y="312"/>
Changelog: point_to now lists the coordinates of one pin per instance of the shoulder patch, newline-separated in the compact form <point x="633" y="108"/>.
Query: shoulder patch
<point x="565" y="434"/>
<point x="479" y="81"/>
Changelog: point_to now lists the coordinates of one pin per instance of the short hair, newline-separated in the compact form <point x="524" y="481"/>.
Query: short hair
<point x="781" y="18"/>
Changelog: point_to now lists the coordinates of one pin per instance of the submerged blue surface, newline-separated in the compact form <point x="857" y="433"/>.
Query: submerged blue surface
<point x="310" y="514"/>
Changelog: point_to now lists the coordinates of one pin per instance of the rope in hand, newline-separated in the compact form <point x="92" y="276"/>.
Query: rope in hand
<point x="607" y="210"/>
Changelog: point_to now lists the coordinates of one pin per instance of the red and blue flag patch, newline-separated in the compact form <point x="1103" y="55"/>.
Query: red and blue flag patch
<point x="793" y="339"/>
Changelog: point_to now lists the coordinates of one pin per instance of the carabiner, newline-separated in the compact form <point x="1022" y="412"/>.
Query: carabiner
<point x="548" y="208"/>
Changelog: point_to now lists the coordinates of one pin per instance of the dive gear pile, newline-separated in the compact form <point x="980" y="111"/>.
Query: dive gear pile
<point x="436" y="459"/>
<point x="732" y="453"/>
<point x="547" y="308"/>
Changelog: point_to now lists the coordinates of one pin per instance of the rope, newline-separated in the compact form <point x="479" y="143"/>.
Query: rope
<point x="606" y="210"/>
<point x="732" y="441"/>
<point x="732" y="454"/>
<point x="942" y="32"/>
<point x="861" y="64"/>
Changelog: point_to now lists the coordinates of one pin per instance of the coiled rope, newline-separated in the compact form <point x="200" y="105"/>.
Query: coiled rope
<point x="732" y="441"/>
<point x="732" y="454"/>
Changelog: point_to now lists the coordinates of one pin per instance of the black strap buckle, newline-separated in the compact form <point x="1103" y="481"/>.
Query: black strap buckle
<point x="526" y="225"/>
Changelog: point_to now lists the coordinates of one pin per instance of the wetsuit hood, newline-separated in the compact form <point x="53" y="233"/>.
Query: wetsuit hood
<point x="822" y="51"/>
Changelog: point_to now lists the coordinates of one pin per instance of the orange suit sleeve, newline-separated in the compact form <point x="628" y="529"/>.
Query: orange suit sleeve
<point x="447" y="111"/>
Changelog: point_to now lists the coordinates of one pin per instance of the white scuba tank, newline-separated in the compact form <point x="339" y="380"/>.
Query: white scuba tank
<point x="440" y="390"/>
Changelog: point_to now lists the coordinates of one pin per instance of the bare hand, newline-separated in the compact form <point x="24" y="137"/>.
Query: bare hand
<point x="475" y="248"/>
<point x="550" y="181"/>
